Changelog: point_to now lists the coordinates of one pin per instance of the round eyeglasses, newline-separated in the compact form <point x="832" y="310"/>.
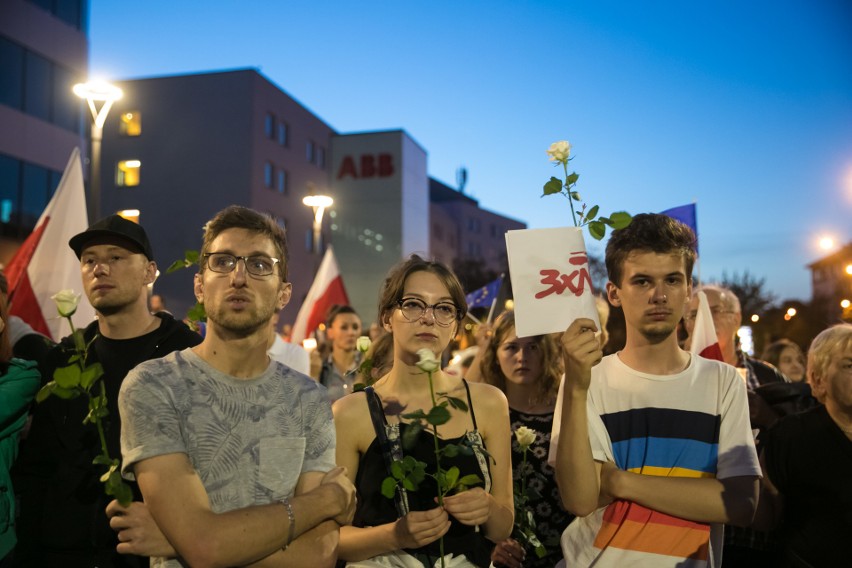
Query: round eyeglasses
<point x="256" y="265"/>
<point x="413" y="309"/>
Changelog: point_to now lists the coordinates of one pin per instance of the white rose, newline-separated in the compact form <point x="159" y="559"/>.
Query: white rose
<point x="559" y="151"/>
<point x="525" y="437"/>
<point x="427" y="362"/>
<point x="363" y="344"/>
<point x="66" y="302"/>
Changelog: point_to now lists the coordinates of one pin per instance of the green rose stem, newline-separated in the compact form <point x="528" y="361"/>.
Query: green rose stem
<point x="438" y="470"/>
<point x="570" y="202"/>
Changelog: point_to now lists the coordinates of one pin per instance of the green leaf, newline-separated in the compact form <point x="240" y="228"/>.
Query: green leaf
<point x="45" y="391"/>
<point x="197" y="313"/>
<point x="592" y="212"/>
<point x="575" y="195"/>
<point x="597" y="230"/>
<point x="175" y="266"/>
<point x="450" y="451"/>
<point x="409" y="463"/>
<point x="101" y="459"/>
<point x="553" y="186"/>
<point x="91" y="374"/>
<point x="192" y="256"/>
<point x="451" y="477"/>
<point x="389" y="487"/>
<point x="620" y="219"/>
<point x="396" y="470"/>
<point x="457" y="403"/>
<point x="572" y="179"/>
<point x="409" y="484"/>
<point x="605" y="220"/>
<point x="438" y="415"/>
<point x="67" y="377"/>
<point x="470" y="479"/>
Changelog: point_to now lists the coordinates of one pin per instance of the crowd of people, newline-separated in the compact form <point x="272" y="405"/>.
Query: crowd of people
<point x="242" y="449"/>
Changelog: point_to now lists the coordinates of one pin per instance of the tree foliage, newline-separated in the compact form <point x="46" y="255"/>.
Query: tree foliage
<point x="751" y="291"/>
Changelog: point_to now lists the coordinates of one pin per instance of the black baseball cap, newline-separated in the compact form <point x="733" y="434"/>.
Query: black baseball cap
<point x="116" y="227"/>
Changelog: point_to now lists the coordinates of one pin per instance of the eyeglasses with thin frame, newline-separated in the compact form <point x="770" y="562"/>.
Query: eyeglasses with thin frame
<point x="716" y="311"/>
<point x="225" y="263"/>
<point x="445" y="313"/>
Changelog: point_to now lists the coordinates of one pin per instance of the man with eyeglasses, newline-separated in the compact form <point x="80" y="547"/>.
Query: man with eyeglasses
<point x="743" y="546"/>
<point x="62" y="499"/>
<point x="233" y="452"/>
<point x="727" y="319"/>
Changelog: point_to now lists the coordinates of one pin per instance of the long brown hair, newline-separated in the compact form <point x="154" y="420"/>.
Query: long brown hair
<point x="551" y="361"/>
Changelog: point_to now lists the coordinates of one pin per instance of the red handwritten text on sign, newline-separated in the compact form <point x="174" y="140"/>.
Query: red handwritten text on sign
<point x="575" y="281"/>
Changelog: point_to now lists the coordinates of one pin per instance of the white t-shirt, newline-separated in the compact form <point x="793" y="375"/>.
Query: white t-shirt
<point x="691" y="424"/>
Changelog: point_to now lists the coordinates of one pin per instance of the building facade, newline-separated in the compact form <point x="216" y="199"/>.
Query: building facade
<point x="178" y="149"/>
<point x="43" y="52"/>
<point x="831" y="280"/>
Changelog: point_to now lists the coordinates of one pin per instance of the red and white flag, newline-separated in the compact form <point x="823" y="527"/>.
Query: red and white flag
<point x="326" y="291"/>
<point x="704" y="341"/>
<point x="44" y="264"/>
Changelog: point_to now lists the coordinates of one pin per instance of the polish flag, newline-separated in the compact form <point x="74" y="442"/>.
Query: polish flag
<point x="704" y="341"/>
<point x="44" y="264"/>
<point x="326" y="291"/>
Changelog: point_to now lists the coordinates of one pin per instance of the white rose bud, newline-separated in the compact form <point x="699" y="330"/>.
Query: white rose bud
<point x="427" y="362"/>
<point x="363" y="344"/>
<point x="559" y="151"/>
<point x="525" y="437"/>
<point x="66" y="302"/>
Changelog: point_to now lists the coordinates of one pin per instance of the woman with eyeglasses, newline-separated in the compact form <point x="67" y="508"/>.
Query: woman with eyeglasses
<point x="422" y="305"/>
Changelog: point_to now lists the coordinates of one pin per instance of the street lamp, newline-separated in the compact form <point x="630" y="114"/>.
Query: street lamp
<point x="97" y="92"/>
<point x="318" y="203"/>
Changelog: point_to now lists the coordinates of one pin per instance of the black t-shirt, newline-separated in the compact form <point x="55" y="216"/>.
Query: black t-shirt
<point x="61" y="516"/>
<point x="809" y="459"/>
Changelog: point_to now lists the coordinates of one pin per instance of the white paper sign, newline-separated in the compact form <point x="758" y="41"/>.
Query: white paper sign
<point x="550" y="279"/>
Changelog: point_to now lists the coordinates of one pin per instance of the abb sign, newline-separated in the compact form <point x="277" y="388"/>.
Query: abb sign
<point x="367" y="166"/>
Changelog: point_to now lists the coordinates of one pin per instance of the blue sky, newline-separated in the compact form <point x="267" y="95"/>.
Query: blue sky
<point x="742" y="107"/>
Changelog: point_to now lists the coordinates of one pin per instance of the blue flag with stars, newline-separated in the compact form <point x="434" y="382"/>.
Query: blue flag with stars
<point x="485" y="296"/>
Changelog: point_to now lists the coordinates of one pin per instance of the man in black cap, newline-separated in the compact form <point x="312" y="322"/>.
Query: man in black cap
<point x="62" y="520"/>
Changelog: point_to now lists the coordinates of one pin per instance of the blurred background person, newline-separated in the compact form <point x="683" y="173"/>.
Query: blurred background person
<point x="340" y="366"/>
<point x="528" y="371"/>
<point x="807" y="459"/>
<point x="788" y="358"/>
<point x="19" y="382"/>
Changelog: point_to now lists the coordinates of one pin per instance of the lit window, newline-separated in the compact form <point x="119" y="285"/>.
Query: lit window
<point x="131" y="123"/>
<point x="283" y="133"/>
<point x="282" y="181"/>
<point x="127" y="173"/>
<point x="310" y="150"/>
<point x="268" y="174"/>
<point x="269" y="126"/>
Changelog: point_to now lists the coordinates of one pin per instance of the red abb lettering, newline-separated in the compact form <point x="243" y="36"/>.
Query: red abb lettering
<point x="380" y="165"/>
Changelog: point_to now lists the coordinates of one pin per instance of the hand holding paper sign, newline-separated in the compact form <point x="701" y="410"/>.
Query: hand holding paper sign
<point x="581" y="350"/>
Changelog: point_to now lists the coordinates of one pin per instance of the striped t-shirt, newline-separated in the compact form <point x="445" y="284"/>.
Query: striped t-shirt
<point x="692" y="424"/>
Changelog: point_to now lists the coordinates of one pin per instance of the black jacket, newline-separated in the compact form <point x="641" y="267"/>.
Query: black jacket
<point x="62" y="520"/>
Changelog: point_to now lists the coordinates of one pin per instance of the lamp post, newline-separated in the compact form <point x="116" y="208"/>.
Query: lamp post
<point x="97" y="92"/>
<point x="318" y="203"/>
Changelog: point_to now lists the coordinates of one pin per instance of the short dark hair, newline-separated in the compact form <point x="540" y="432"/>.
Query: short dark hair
<point x="394" y="284"/>
<point x="649" y="232"/>
<point x="237" y="217"/>
<point x="336" y="310"/>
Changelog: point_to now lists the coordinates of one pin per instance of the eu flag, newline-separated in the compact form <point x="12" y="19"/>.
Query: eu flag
<point x="485" y="296"/>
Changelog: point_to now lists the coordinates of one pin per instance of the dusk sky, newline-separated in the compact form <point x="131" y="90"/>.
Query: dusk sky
<point x="742" y="107"/>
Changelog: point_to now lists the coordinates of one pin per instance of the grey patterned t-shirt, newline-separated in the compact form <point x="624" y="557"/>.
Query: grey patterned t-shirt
<point x="248" y="439"/>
